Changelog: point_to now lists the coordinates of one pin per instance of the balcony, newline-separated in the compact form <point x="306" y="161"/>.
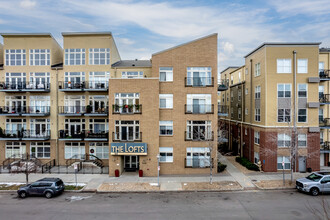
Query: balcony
<point x="223" y="85"/>
<point x="97" y="86"/>
<point x="325" y="123"/>
<point x="199" y="81"/>
<point x="91" y="111"/>
<point x="37" y="111"/>
<point x="324" y="75"/>
<point x="199" y="108"/>
<point x="325" y="147"/>
<point x="24" y="87"/>
<point x="198" y="162"/>
<point x="97" y="136"/>
<point x="25" y="135"/>
<point x="71" y="86"/>
<point x="66" y="135"/>
<point x="71" y="110"/>
<point x="223" y="110"/>
<point x="198" y="136"/>
<point x="12" y="111"/>
<point x="324" y="99"/>
<point x="126" y="136"/>
<point x="126" y="109"/>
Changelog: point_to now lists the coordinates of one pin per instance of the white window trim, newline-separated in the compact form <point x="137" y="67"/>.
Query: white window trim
<point x="166" y="124"/>
<point x="33" y="53"/>
<point x="283" y="71"/>
<point x="82" y="58"/>
<point x="168" y="74"/>
<point x="305" y="139"/>
<point x="298" y="67"/>
<point x="168" y="101"/>
<point x="37" y="145"/>
<point x="166" y="150"/>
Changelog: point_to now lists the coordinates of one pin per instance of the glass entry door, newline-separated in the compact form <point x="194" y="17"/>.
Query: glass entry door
<point x="131" y="163"/>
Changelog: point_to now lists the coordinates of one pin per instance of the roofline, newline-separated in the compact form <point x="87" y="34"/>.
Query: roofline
<point x="86" y="33"/>
<point x="236" y="69"/>
<point x="25" y="34"/>
<point x="282" y="44"/>
<point x="229" y="68"/>
<point x="180" y="45"/>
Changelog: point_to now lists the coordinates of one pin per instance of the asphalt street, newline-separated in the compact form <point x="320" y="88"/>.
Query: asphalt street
<point x="198" y="205"/>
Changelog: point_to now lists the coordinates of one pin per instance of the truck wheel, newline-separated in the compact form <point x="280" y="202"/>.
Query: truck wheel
<point x="314" y="191"/>
<point x="48" y="195"/>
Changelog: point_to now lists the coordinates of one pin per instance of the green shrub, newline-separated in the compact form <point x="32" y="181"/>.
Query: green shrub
<point x="238" y="159"/>
<point x="252" y="166"/>
<point x="221" y="167"/>
<point x="246" y="163"/>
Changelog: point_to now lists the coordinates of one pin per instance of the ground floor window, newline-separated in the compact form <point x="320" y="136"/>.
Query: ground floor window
<point x="286" y="160"/>
<point x="198" y="157"/>
<point x="40" y="149"/>
<point x="15" y="149"/>
<point x="256" y="157"/>
<point x="74" y="150"/>
<point x="166" y="154"/>
<point x="302" y="140"/>
<point x="100" y="150"/>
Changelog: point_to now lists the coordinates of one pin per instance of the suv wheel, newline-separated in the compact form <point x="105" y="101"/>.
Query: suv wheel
<point x="48" y="195"/>
<point x="314" y="191"/>
<point x="22" y="194"/>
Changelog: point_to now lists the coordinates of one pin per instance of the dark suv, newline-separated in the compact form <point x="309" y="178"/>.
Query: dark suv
<point x="47" y="187"/>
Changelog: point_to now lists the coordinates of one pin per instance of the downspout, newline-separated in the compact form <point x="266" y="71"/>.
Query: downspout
<point x="57" y="147"/>
<point x="243" y="114"/>
<point x="250" y="132"/>
<point x="294" y="113"/>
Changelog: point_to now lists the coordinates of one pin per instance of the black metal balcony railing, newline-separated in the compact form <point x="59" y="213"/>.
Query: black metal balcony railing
<point x="325" y="145"/>
<point x="324" y="74"/>
<point x="96" y="111"/>
<point x="199" y="81"/>
<point x="96" y="85"/>
<point x="126" y="109"/>
<point x="71" y="86"/>
<point x="25" y="134"/>
<point x="199" y="108"/>
<point x="223" y="85"/>
<point x="325" y="122"/>
<point x="129" y="136"/>
<point x="24" y="87"/>
<point x="199" y="136"/>
<point x="198" y="162"/>
<point x="72" y="110"/>
<point x="97" y="134"/>
<point x="12" y="110"/>
<point x="38" y="110"/>
<point x="324" y="98"/>
<point x="66" y="134"/>
<point x="223" y="110"/>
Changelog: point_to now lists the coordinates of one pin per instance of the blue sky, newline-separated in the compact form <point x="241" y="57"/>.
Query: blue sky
<point x="144" y="27"/>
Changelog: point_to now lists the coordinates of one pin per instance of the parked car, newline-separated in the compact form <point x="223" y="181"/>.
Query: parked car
<point x="314" y="183"/>
<point x="47" y="187"/>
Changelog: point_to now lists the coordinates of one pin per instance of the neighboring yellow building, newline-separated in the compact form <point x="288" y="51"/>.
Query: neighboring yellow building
<point x="84" y="105"/>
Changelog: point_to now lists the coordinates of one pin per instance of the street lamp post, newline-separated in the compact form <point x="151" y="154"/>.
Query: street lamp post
<point x="158" y="168"/>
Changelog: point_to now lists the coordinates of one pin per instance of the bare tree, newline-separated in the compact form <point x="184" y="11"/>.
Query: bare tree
<point x="26" y="165"/>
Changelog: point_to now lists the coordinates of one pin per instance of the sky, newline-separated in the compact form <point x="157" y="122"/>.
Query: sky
<point x="141" y="28"/>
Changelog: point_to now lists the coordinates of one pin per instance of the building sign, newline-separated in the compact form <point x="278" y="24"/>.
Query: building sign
<point x="128" y="148"/>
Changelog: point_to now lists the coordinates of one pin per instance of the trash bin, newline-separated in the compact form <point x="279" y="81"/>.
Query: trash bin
<point x="140" y="173"/>
<point x="116" y="173"/>
<point x="309" y="170"/>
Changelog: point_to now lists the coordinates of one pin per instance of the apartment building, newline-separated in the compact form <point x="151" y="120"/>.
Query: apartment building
<point x="280" y="83"/>
<point x="83" y="103"/>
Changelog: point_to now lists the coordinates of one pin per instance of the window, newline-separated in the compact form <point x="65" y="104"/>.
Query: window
<point x="246" y="71"/>
<point x="15" y="149"/>
<point x="302" y="90"/>
<point x="199" y="130"/>
<point x="15" y="104"/>
<point x="39" y="104"/>
<point x="40" y="80"/>
<point x="99" y="149"/>
<point x="74" y="150"/>
<point x="321" y="91"/>
<point x="256" y="157"/>
<point x="98" y="104"/>
<point x="199" y="103"/>
<point x="15" y="57"/>
<point x="132" y="74"/>
<point x="239" y="113"/>
<point x="166" y="74"/>
<point x="231" y="80"/>
<point x="257" y="69"/>
<point x="165" y="100"/>
<point x="286" y="160"/>
<point x="302" y="115"/>
<point x="198" y="157"/>
<point x="320" y="114"/>
<point x="74" y="104"/>
<point x="257" y="137"/>
<point x="283" y="140"/>
<point x="75" y="56"/>
<point x="257" y="114"/>
<point x="223" y="98"/>
<point x="98" y="126"/>
<point x="302" y="65"/>
<point x="246" y="91"/>
<point x="15" y="80"/>
<point x="127" y="131"/>
<point x="74" y="127"/>
<point x="166" y="127"/>
<point x="284" y="66"/>
<point x="321" y="66"/>
<point x="321" y="137"/>
<point x="13" y="125"/>
<point x="99" y="80"/>
<point x="74" y="80"/>
<point x="40" y="149"/>
<point x="127" y="103"/>
<point x="40" y="57"/>
<point x="239" y="95"/>
<point x="40" y="127"/>
<point x="199" y="76"/>
<point x="284" y="90"/>
<point x="166" y="154"/>
<point x="99" y="56"/>
<point x="283" y="115"/>
<point x="302" y="140"/>
<point x="246" y="111"/>
<point x="257" y="92"/>
<point x="239" y="77"/>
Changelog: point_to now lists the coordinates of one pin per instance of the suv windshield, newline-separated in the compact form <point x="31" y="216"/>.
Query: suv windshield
<point x="58" y="183"/>
<point x="314" y="177"/>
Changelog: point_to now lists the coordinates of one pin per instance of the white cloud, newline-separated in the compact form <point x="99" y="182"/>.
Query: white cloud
<point x="228" y="47"/>
<point x="27" y="4"/>
<point x="125" y="41"/>
<point x="294" y="7"/>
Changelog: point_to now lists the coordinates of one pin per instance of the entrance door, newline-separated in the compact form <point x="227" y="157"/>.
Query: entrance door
<point x="131" y="163"/>
<point x="302" y="164"/>
<point x="196" y="79"/>
<point x="322" y="159"/>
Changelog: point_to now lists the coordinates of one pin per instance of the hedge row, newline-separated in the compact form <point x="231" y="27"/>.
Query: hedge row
<point x="246" y="163"/>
